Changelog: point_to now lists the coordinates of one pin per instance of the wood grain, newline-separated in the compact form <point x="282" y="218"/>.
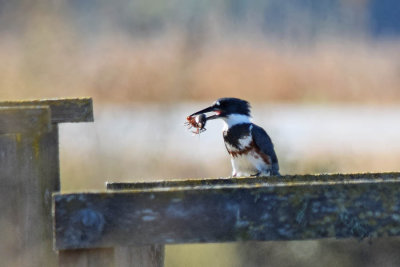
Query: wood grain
<point x="29" y="173"/>
<point x="308" y="208"/>
<point x="29" y="119"/>
<point x="200" y="182"/>
<point x="87" y="258"/>
<point x="62" y="110"/>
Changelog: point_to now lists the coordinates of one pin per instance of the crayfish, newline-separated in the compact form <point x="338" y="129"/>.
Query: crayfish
<point x="198" y="122"/>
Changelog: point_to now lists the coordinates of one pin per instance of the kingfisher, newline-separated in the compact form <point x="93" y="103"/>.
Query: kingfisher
<point x="250" y="147"/>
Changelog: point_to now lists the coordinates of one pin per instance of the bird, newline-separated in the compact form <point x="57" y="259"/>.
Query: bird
<point x="249" y="146"/>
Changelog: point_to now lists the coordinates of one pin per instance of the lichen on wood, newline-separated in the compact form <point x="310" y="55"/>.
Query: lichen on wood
<point x="31" y="120"/>
<point x="289" y="208"/>
<point x="286" y="179"/>
<point x="62" y="110"/>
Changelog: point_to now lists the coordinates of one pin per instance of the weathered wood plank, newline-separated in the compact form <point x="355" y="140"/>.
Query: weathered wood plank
<point x="87" y="258"/>
<point x="62" y="110"/>
<point x="29" y="173"/>
<point x="138" y="256"/>
<point x="133" y="256"/>
<point x="197" y="182"/>
<point x="276" y="210"/>
<point x="148" y="256"/>
<point x="27" y="119"/>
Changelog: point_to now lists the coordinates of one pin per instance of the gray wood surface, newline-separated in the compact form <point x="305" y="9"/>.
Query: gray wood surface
<point x="29" y="173"/>
<point x="306" y="208"/>
<point x="87" y="258"/>
<point x="138" y="256"/>
<point x="141" y="256"/>
<point x="25" y="119"/>
<point x="62" y="110"/>
<point x="200" y="182"/>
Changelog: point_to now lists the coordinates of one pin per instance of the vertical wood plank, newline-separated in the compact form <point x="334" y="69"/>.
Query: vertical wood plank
<point x="29" y="173"/>
<point x="151" y="256"/>
<point x="87" y="258"/>
<point x="143" y="256"/>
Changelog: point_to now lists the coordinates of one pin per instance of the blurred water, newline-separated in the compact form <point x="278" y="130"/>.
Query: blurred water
<point x="296" y="130"/>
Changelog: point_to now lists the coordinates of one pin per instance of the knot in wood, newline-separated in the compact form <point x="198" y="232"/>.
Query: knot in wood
<point x="85" y="226"/>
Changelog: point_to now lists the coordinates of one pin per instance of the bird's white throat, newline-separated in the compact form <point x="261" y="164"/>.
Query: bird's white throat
<point x="234" y="119"/>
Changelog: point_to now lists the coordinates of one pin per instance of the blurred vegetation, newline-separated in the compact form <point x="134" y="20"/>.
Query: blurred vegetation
<point x="125" y="52"/>
<point x="132" y="51"/>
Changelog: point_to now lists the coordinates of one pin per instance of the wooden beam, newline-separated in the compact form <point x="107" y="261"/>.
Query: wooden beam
<point x="62" y="110"/>
<point x="200" y="182"/>
<point x="30" y="119"/>
<point x="306" y="208"/>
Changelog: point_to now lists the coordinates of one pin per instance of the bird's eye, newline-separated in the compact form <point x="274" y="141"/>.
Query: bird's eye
<point x="217" y="103"/>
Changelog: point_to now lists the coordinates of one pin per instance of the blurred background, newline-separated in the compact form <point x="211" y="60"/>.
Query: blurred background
<point x="323" y="77"/>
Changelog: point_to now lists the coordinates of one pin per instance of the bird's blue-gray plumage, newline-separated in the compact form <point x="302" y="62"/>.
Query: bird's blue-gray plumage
<point x="265" y="145"/>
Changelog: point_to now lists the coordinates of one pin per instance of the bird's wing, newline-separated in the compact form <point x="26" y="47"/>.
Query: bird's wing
<point x="265" y="146"/>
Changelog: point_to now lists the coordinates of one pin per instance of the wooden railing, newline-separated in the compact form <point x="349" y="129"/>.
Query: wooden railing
<point x="128" y="224"/>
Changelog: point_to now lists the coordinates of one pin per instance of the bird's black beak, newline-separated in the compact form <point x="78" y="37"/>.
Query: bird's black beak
<point x="210" y="109"/>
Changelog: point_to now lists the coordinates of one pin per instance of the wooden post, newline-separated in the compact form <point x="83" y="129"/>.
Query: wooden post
<point x="87" y="257"/>
<point x="29" y="174"/>
<point x="138" y="256"/>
